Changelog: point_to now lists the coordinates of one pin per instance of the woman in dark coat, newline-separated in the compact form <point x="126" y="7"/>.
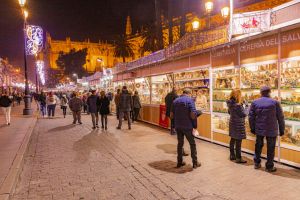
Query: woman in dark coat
<point x="104" y="109"/>
<point x="237" y="130"/>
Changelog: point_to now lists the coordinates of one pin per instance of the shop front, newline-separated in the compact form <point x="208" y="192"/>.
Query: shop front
<point x="271" y="59"/>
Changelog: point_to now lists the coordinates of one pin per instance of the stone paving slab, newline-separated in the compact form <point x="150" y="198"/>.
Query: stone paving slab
<point x="13" y="144"/>
<point x="75" y="162"/>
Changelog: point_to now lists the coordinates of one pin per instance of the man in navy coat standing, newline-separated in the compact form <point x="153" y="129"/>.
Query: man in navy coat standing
<point x="266" y="119"/>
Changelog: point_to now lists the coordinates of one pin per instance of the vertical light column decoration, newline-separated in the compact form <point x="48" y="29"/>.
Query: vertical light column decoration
<point x="41" y="71"/>
<point x="34" y="39"/>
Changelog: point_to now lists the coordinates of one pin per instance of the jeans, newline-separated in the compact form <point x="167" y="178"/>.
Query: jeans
<point x="235" y="152"/>
<point x="43" y="109"/>
<point x="6" y="112"/>
<point x="188" y="133"/>
<point x="51" y="110"/>
<point x="95" y="119"/>
<point x="104" y="121"/>
<point x="121" y="116"/>
<point x="271" y="143"/>
<point x="76" y="116"/>
<point x="173" y="131"/>
<point x="136" y="112"/>
<point x="64" y="108"/>
<point x="117" y="112"/>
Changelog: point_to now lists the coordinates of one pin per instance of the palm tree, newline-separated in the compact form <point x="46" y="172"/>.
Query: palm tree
<point x="151" y="41"/>
<point x="123" y="47"/>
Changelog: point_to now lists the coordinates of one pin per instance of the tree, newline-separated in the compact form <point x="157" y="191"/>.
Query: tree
<point x="73" y="62"/>
<point x="53" y="77"/>
<point x="151" y="42"/>
<point x="158" y="24"/>
<point x="123" y="47"/>
<point x="170" y="19"/>
<point x="183" y="18"/>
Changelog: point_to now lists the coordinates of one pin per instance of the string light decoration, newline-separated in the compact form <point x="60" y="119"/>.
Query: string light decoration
<point x="40" y="69"/>
<point x="34" y="39"/>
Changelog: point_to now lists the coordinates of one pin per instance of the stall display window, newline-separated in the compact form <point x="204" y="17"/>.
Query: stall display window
<point x="142" y="86"/>
<point x="130" y="85"/>
<point x="290" y="101"/>
<point x="224" y="80"/>
<point x="118" y="85"/>
<point x="161" y="86"/>
<point x="198" y="82"/>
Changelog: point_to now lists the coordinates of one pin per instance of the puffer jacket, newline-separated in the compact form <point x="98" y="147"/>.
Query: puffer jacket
<point x="169" y="99"/>
<point x="237" y="129"/>
<point x="5" y="101"/>
<point x="125" y="104"/>
<point x="266" y="117"/>
<point x="103" y="103"/>
<point x="93" y="104"/>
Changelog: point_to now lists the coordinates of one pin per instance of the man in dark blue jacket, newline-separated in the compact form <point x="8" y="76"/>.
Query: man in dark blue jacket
<point x="266" y="119"/>
<point x="184" y="113"/>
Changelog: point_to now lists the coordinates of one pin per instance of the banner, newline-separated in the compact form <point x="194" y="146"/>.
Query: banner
<point x="251" y="22"/>
<point x="33" y="39"/>
<point x="163" y="119"/>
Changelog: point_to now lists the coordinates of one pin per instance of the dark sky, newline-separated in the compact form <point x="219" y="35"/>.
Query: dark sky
<point x="79" y="19"/>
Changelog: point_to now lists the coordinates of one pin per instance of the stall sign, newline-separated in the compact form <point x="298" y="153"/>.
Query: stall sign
<point x="252" y="22"/>
<point x="163" y="119"/>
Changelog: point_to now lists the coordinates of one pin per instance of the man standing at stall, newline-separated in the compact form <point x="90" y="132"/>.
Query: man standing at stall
<point x="266" y="119"/>
<point x="171" y="96"/>
<point x="125" y="106"/>
<point x="184" y="113"/>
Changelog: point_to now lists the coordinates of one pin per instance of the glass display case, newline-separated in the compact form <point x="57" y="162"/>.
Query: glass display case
<point x="198" y="82"/>
<point x="142" y="86"/>
<point x="160" y="86"/>
<point x="224" y="80"/>
<point x="290" y="100"/>
<point x="130" y="85"/>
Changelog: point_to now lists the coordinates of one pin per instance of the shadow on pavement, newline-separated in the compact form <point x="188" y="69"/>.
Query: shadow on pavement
<point x="170" y="166"/>
<point x="62" y="128"/>
<point x="286" y="173"/>
<point x="168" y="148"/>
<point x="3" y="125"/>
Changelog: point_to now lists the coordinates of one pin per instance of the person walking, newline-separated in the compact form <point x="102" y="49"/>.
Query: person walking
<point x="136" y="106"/>
<point x="266" y="119"/>
<point x="104" y="103"/>
<point x="42" y="100"/>
<point x="117" y="101"/>
<point x="64" y="104"/>
<point x="85" y="107"/>
<point x="237" y="130"/>
<point x="185" y="114"/>
<point x="169" y="99"/>
<point x="51" y="101"/>
<point x="76" y="105"/>
<point x="93" y="106"/>
<point x="5" y="104"/>
<point x="125" y="106"/>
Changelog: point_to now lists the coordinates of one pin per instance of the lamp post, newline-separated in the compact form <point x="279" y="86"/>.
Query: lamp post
<point x="209" y="6"/>
<point x="196" y="23"/>
<point x="27" y="99"/>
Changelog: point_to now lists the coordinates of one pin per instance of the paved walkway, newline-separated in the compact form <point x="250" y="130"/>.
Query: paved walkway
<point x="67" y="161"/>
<point x="13" y="143"/>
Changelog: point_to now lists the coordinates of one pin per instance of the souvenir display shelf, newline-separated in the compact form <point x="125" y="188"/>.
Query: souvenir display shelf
<point x="160" y="86"/>
<point x="142" y="86"/>
<point x="198" y="82"/>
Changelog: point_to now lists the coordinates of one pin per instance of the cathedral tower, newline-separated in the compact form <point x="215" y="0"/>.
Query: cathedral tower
<point x="128" y="26"/>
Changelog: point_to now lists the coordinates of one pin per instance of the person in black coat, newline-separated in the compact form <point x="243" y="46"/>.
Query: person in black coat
<point x="237" y="130"/>
<point x="104" y="109"/>
<point x="171" y="96"/>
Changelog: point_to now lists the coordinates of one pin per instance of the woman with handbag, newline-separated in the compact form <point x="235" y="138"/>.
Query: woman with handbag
<point x="237" y="130"/>
<point x="104" y="109"/>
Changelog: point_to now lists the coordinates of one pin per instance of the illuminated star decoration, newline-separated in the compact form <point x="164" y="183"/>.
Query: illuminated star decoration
<point x="41" y="71"/>
<point x="34" y="39"/>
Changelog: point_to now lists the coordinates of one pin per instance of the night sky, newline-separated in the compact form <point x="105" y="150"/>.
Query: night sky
<point x="78" y="19"/>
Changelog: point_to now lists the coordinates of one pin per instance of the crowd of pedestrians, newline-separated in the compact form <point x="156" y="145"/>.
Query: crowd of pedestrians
<point x="265" y="117"/>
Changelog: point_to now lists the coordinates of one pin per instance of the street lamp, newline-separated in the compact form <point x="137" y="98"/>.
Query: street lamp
<point x="100" y="60"/>
<point x="27" y="99"/>
<point x="209" y="6"/>
<point x="225" y="12"/>
<point x="196" y="23"/>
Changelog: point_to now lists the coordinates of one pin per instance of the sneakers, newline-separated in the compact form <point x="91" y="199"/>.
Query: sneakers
<point x="180" y="164"/>
<point x="79" y="122"/>
<point x="196" y="165"/>
<point x="74" y="122"/>
<point x="273" y="169"/>
<point x="118" y="127"/>
<point x="94" y="127"/>
<point x="97" y="126"/>
<point x="257" y="166"/>
<point x="185" y="154"/>
<point x="129" y="128"/>
<point x="240" y="161"/>
<point x="232" y="157"/>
